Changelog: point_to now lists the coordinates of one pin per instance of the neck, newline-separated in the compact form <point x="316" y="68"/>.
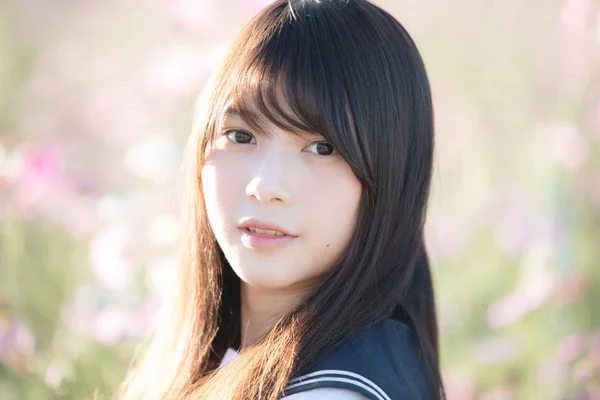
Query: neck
<point x="261" y="308"/>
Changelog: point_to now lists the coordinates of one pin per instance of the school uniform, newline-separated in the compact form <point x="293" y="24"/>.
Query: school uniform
<point x="379" y="363"/>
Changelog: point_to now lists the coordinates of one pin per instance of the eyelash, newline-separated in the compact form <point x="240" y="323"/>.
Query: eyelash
<point x="229" y="132"/>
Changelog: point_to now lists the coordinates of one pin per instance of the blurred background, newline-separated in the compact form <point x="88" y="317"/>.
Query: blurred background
<point x="96" y="101"/>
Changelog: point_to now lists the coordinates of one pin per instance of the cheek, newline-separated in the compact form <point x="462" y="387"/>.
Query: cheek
<point x="333" y="208"/>
<point x="336" y="196"/>
<point x="219" y="185"/>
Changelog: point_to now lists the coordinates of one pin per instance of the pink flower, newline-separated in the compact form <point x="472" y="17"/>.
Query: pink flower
<point x="517" y="220"/>
<point x="496" y="350"/>
<point x="568" y="146"/>
<point x="458" y="386"/>
<point x="41" y="182"/>
<point x="111" y="324"/>
<point x="571" y="347"/>
<point x="192" y="15"/>
<point x="15" y="339"/>
<point x="521" y="301"/>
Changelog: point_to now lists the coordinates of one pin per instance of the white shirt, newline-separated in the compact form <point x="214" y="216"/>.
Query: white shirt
<point x="312" y="394"/>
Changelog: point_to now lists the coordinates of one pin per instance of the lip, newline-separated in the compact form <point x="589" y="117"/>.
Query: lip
<point x="255" y="223"/>
<point x="257" y="240"/>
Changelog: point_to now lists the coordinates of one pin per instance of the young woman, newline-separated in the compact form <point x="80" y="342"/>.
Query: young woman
<point x="305" y="274"/>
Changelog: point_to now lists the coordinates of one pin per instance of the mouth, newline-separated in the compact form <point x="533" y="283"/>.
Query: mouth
<point x="266" y="232"/>
<point x="257" y="234"/>
<point x="262" y="228"/>
<point x="259" y="238"/>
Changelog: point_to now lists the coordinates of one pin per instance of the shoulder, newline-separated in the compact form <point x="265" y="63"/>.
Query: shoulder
<point x="381" y="362"/>
<point x="326" y="394"/>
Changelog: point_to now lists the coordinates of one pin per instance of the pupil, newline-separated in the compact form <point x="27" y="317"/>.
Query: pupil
<point x="242" y="137"/>
<point x="324" y="149"/>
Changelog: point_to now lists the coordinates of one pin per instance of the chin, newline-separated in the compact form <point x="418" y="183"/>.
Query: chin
<point x="265" y="278"/>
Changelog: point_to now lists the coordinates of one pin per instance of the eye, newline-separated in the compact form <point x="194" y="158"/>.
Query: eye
<point x="321" y="148"/>
<point x="239" y="136"/>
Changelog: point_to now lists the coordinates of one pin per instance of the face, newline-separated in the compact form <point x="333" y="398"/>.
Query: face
<point x="278" y="181"/>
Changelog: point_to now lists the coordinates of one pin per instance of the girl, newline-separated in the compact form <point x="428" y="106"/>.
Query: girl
<point x="305" y="274"/>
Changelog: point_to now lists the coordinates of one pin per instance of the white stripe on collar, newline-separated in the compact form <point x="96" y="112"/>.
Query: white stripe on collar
<point x="331" y="375"/>
<point x="339" y="376"/>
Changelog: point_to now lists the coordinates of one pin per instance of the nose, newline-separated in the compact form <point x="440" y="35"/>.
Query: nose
<point x="268" y="182"/>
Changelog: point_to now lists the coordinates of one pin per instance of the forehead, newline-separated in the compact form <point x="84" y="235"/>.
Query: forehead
<point x="233" y="113"/>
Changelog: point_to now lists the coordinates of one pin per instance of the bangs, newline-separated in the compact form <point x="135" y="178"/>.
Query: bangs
<point x="301" y="66"/>
<point x="285" y="73"/>
<point x="259" y="97"/>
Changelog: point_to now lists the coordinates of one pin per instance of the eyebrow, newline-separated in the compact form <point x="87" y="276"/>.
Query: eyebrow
<point x="232" y="111"/>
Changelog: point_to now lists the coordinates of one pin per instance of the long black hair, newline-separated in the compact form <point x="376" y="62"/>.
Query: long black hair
<point x="349" y="71"/>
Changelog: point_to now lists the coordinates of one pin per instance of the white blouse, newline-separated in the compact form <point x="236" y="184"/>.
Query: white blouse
<point x="312" y="394"/>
